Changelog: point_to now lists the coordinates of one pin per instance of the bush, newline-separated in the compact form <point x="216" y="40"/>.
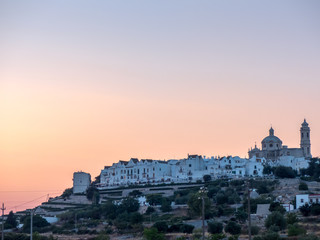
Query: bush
<point x="150" y="210"/>
<point x="303" y="186"/>
<point x="161" y="226"/>
<point x="166" y="205"/>
<point x="215" y="227"/>
<point x="233" y="228"/>
<point x="315" y="209"/>
<point x="255" y="230"/>
<point x="284" y="172"/>
<point x="152" y="234"/>
<point x="295" y="230"/>
<point x="305" y="210"/>
<point x="291" y="218"/>
<point x="206" y="178"/>
<point x="154" y="199"/>
<point x="186" y="228"/>
<point x="276" y="206"/>
<point x="276" y="219"/>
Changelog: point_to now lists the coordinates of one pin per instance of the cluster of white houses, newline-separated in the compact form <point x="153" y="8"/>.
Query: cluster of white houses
<point x="189" y="169"/>
<point x="194" y="167"/>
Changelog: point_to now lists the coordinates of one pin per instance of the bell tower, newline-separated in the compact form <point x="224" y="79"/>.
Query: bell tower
<point x="305" y="144"/>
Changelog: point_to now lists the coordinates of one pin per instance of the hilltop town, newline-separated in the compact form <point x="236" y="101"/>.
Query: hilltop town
<point x="273" y="194"/>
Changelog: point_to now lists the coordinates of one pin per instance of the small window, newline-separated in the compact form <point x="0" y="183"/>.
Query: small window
<point x="302" y="135"/>
<point x="190" y="165"/>
<point x="271" y="145"/>
<point x="301" y="200"/>
<point x="307" y="135"/>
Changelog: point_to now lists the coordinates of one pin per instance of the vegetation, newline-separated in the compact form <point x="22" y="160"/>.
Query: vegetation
<point x="284" y="172"/>
<point x="233" y="228"/>
<point x="303" y="186"/>
<point x="215" y="227"/>
<point x="11" y="221"/>
<point x="276" y="221"/>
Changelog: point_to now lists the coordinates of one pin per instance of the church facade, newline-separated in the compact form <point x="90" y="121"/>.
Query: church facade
<point x="272" y="148"/>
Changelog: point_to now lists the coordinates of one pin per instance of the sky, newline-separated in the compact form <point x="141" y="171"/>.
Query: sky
<point x="84" y="84"/>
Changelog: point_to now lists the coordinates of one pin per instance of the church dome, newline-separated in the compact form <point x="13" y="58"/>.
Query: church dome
<point x="271" y="142"/>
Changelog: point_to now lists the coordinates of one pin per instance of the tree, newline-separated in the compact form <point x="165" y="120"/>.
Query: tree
<point x="93" y="194"/>
<point x="303" y="186"/>
<point x="135" y="193"/>
<point x="135" y="218"/>
<point x="215" y="227"/>
<point x="152" y="234"/>
<point x="166" y="205"/>
<point x="267" y="170"/>
<point x="291" y="218"/>
<point x="276" y="206"/>
<point x="305" y="210"/>
<point x="233" y="228"/>
<point x="67" y="193"/>
<point x="150" y="210"/>
<point x="195" y="204"/>
<point x="295" y="230"/>
<point x="241" y="216"/>
<point x="315" y="209"/>
<point x="255" y="230"/>
<point x="38" y="223"/>
<point x="161" y="226"/>
<point x="276" y="219"/>
<point x="129" y="204"/>
<point x="284" y="172"/>
<point x="207" y="178"/>
<point x="186" y="228"/>
<point x="11" y="221"/>
<point x="154" y="199"/>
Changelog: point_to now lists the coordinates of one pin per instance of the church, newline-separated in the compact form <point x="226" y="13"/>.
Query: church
<point x="272" y="148"/>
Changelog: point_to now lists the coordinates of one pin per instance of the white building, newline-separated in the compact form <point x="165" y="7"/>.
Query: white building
<point x="302" y="199"/>
<point x="189" y="169"/>
<point x="81" y="182"/>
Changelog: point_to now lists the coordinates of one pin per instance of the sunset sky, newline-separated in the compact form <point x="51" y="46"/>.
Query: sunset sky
<point x="84" y="84"/>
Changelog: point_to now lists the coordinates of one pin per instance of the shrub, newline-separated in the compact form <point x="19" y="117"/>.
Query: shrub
<point x="186" y="228"/>
<point x="305" y="210"/>
<point x="315" y="209"/>
<point x="165" y="205"/>
<point x="295" y="230"/>
<point x="150" y="210"/>
<point x="255" y="230"/>
<point x="233" y="228"/>
<point x="161" y="226"/>
<point x="152" y="234"/>
<point x="291" y="218"/>
<point x="284" y="172"/>
<point x="215" y="227"/>
<point x="206" y="178"/>
<point x="276" y="219"/>
<point x="303" y="186"/>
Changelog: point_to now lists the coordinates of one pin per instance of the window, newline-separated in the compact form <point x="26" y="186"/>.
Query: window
<point x="307" y="135"/>
<point x="255" y="167"/>
<point x="301" y="200"/>
<point x="190" y="165"/>
<point x="302" y="135"/>
<point x="271" y="145"/>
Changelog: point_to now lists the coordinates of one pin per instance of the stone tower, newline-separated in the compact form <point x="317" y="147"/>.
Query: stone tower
<point x="305" y="144"/>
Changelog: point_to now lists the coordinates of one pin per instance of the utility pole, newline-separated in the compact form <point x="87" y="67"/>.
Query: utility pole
<point x="2" y="233"/>
<point x="202" y="191"/>
<point x="202" y="218"/>
<point x="31" y="223"/>
<point x="249" y="211"/>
